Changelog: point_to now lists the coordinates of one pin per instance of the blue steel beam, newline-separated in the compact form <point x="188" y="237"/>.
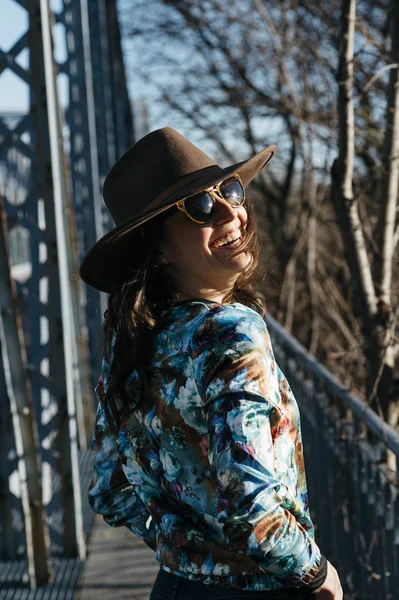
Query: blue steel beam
<point x="122" y="116"/>
<point x="100" y="132"/>
<point x="103" y="92"/>
<point x="83" y="158"/>
<point x="114" y="124"/>
<point x="40" y="300"/>
<point x="23" y="420"/>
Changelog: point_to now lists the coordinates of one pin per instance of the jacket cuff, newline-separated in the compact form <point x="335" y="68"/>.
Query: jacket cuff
<point x="318" y="575"/>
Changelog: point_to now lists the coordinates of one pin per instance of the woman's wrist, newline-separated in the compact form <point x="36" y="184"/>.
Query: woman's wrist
<point x="317" y="583"/>
<point x="316" y="591"/>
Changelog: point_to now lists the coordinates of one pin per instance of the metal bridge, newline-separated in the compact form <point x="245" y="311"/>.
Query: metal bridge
<point x="53" y="159"/>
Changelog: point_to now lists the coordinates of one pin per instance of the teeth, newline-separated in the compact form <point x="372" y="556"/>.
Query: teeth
<point x="231" y="237"/>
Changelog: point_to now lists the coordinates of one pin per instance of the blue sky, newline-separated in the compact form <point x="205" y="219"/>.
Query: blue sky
<point x="14" y="94"/>
<point x="13" y="22"/>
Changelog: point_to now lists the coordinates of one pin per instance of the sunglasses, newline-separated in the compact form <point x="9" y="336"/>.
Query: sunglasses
<point x="201" y="207"/>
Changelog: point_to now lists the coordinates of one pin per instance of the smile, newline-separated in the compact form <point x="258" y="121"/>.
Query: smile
<point x="227" y="239"/>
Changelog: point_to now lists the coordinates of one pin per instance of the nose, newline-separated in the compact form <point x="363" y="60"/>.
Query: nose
<point x="224" y="211"/>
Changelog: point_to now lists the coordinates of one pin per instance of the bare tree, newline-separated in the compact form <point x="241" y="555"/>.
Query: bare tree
<point x="239" y="76"/>
<point x="373" y="295"/>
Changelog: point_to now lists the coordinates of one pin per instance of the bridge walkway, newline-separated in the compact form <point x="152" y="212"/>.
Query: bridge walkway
<point x="119" y="566"/>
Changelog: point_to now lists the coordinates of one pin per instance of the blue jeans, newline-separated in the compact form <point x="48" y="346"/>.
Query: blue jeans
<point x="172" y="587"/>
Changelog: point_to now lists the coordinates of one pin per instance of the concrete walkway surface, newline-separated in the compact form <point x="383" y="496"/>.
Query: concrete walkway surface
<point x="119" y="566"/>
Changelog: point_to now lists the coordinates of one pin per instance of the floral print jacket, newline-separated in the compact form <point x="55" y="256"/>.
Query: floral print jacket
<point x="208" y="467"/>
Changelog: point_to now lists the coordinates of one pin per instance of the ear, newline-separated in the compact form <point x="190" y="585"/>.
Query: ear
<point x="164" y="252"/>
<point x="162" y="261"/>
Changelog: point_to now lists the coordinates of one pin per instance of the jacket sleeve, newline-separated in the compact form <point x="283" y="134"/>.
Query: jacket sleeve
<point x="110" y="494"/>
<point x="258" y="517"/>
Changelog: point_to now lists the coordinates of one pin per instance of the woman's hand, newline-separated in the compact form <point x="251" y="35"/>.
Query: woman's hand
<point x="331" y="588"/>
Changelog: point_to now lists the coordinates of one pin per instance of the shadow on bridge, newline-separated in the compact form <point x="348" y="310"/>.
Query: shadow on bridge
<point x="119" y="566"/>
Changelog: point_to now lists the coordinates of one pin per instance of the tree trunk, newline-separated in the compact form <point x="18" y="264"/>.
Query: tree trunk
<point x="373" y="309"/>
<point x="386" y="234"/>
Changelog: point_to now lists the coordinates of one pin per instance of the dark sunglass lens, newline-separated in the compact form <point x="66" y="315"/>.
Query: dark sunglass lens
<point x="200" y="207"/>
<point x="232" y="191"/>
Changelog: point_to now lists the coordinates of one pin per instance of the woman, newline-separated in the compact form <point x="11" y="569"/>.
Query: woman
<point x="197" y="445"/>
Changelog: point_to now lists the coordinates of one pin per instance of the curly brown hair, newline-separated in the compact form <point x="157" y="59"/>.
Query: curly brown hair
<point x="135" y="308"/>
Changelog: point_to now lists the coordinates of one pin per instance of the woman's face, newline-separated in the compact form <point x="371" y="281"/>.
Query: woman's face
<point x="199" y="263"/>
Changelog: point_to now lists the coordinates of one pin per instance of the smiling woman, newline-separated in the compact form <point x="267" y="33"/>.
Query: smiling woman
<point x="197" y="447"/>
<point x="206" y="261"/>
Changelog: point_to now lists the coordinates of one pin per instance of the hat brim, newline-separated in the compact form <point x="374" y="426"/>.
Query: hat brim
<point x="104" y="263"/>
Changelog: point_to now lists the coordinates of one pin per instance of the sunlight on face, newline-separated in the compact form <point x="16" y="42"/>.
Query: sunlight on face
<point x="206" y="258"/>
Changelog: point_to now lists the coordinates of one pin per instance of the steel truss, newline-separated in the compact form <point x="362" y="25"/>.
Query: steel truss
<point x="53" y="164"/>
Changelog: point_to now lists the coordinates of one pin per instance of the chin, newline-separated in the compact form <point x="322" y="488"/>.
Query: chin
<point x="235" y="264"/>
<point x="243" y="263"/>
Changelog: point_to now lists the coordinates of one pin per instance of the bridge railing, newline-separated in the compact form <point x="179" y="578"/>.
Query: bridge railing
<point x="353" y="493"/>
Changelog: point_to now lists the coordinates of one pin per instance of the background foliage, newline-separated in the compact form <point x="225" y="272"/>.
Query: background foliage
<point x="237" y="76"/>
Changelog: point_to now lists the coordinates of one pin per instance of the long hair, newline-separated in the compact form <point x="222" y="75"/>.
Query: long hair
<point x="135" y="308"/>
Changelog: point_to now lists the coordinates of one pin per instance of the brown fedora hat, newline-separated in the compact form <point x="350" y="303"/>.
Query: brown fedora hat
<point x="160" y="169"/>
